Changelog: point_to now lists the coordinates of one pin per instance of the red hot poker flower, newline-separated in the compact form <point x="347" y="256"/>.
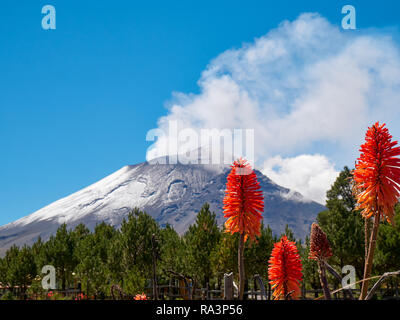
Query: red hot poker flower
<point x="243" y="201"/>
<point x="140" y="297"/>
<point x="320" y="247"/>
<point x="284" y="270"/>
<point x="377" y="173"/>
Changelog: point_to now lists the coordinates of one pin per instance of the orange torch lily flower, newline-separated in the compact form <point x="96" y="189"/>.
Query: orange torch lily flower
<point x="243" y="201"/>
<point x="284" y="270"/>
<point x="377" y="178"/>
<point x="140" y="297"/>
<point x="377" y="173"/>
<point x="243" y="206"/>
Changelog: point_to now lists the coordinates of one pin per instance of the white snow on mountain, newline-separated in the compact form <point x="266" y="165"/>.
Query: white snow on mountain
<point x="170" y="193"/>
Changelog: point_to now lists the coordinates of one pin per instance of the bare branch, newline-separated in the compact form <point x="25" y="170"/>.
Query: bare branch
<point x="379" y="282"/>
<point x="339" y="278"/>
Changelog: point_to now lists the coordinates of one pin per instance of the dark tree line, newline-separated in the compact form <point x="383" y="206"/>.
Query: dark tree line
<point x="125" y="256"/>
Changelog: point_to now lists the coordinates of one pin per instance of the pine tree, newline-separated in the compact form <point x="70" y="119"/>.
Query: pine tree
<point x="311" y="279"/>
<point x="343" y="225"/>
<point x="114" y="257"/>
<point x="89" y="263"/>
<point x="137" y="249"/>
<point x="288" y="233"/>
<point x="388" y="249"/>
<point x="3" y="272"/>
<point x="224" y="256"/>
<point x="258" y="252"/>
<point x="201" y="239"/>
<point x="59" y="252"/>
<point x="20" y="268"/>
<point x="104" y="235"/>
<point x="172" y="252"/>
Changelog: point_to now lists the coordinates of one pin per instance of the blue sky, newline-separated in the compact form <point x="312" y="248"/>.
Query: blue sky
<point x="76" y="102"/>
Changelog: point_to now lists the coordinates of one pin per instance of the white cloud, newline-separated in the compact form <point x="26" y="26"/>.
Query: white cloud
<point x="312" y="175"/>
<point x="305" y="87"/>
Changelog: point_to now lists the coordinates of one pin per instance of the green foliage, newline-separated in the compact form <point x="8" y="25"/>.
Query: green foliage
<point x="106" y="256"/>
<point x="134" y="281"/>
<point x="89" y="263"/>
<point x="3" y="270"/>
<point x="387" y="257"/>
<point x="343" y="225"/>
<point x="257" y="253"/>
<point x="172" y="252"/>
<point x="38" y="253"/>
<point x="224" y="257"/>
<point x="288" y="233"/>
<point x="20" y="267"/>
<point x="114" y="257"/>
<point x="200" y="241"/>
<point x="59" y="252"/>
<point x="310" y="268"/>
<point x="36" y="290"/>
<point x="8" y="296"/>
<point x="137" y="248"/>
<point x="97" y="260"/>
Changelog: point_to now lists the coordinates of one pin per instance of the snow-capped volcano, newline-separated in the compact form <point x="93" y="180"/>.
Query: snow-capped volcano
<point x="170" y="193"/>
